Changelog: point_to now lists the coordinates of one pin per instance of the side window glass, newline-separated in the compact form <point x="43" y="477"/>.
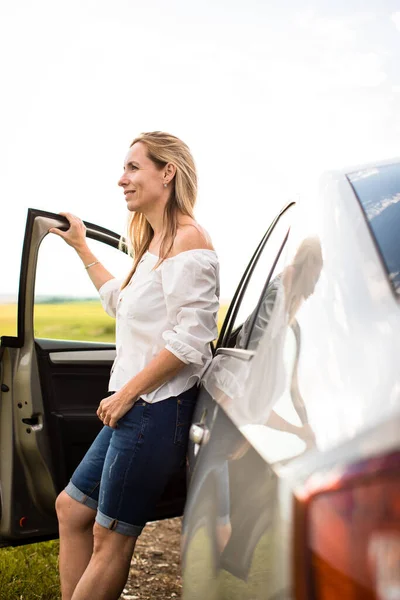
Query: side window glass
<point x="291" y="283"/>
<point x="259" y="277"/>
<point x="274" y="382"/>
<point x="271" y="297"/>
<point x="67" y="305"/>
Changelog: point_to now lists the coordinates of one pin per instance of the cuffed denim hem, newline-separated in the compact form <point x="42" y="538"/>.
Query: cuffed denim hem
<point x="79" y="496"/>
<point x="118" y="526"/>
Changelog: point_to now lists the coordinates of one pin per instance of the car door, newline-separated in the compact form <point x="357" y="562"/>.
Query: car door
<point x="54" y="373"/>
<point x="244" y="304"/>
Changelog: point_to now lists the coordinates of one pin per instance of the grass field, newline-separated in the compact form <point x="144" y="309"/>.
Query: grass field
<point x="86" y="321"/>
<point x="65" y="321"/>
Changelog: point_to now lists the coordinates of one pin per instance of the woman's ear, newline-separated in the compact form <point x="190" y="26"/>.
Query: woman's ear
<point x="169" y="172"/>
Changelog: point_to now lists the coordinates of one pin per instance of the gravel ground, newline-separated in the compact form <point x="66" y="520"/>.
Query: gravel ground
<point x="155" y="568"/>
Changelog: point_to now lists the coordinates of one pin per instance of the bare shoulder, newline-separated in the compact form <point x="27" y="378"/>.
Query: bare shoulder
<point x="191" y="236"/>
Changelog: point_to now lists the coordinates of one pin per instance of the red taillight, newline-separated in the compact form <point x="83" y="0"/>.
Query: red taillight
<point x="349" y="531"/>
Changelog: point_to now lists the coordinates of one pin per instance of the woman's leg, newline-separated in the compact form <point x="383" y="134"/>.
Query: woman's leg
<point x="119" y="492"/>
<point x="143" y="452"/>
<point x="108" y="569"/>
<point x="76" y="509"/>
<point x="76" y="541"/>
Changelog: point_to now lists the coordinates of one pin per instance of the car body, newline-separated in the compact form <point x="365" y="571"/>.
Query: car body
<point x="293" y="462"/>
<point x="295" y="451"/>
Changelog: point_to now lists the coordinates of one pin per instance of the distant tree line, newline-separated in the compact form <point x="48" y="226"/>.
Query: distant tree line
<point x="62" y="299"/>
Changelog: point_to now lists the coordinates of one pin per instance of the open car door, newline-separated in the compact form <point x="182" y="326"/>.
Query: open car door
<point x="51" y="386"/>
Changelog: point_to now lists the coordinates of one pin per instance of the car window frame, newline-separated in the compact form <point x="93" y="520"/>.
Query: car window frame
<point x="229" y="321"/>
<point x="247" y="339"/>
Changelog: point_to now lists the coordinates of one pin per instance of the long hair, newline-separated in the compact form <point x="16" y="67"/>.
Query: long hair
<point x="163" y="148"/>
<point x="306" y="268"/>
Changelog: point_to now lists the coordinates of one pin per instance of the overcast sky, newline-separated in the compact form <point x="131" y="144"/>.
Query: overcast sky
<point x="267" y="94"/>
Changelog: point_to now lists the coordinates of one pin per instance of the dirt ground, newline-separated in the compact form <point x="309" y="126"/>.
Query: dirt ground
<point x="155" y="568"/>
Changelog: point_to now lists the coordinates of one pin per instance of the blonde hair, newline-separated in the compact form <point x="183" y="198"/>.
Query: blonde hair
<point x="163" y="148"/>
<point x="306" y="268"/>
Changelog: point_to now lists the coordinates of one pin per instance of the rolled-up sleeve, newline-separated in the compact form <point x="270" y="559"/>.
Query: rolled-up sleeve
<point x="190" y="284"/>
<point x="109" y="293"/>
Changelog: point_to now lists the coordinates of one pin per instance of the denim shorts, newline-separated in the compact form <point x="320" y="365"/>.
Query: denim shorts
<point x="125" y="470"/>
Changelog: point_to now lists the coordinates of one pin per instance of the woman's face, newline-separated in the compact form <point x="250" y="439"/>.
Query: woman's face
<point x="142" y="181"/>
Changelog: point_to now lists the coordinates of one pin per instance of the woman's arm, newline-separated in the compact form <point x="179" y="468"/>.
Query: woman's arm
<point x="163" y="367"/>
<point x="97" y="273"/>
<point x="75" y="237"/>
<point x="275" y="421"/>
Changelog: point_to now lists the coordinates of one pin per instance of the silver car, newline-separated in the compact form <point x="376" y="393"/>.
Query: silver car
<point x="295" y="448"/>
<point x="293" y="464"/>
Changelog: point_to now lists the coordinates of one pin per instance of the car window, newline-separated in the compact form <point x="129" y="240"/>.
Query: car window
<point x="67" y="305"/>
<point x="378" y="191"/>
<point x="247" y="304"/>
<point x="257" y="322"/>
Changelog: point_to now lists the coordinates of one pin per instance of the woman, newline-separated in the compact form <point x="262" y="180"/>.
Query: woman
<point x="166" y="317"/>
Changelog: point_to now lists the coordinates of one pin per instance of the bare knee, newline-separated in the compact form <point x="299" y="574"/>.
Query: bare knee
<point x="112" y="543"/>
<point x="72" y="513"/>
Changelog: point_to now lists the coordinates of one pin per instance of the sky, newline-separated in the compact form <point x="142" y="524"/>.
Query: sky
<point x="267" y="94"/>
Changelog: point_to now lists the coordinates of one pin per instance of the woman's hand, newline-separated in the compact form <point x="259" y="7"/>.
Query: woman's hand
<point x="75" y="236"/>
<point x="114" y="407"/>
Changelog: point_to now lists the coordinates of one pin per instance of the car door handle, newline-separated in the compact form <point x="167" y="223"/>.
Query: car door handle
<point x="236" y="353"/>
<point x="199" y="433"/>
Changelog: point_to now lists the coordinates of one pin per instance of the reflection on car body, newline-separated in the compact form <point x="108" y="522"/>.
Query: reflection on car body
<point x="302" y="402"/>
<point x="229" y="453"/>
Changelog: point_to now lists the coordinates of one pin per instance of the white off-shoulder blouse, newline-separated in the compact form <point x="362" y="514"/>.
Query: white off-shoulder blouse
<point x="173" y="307"/>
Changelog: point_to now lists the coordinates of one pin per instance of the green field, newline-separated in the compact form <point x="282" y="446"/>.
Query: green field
<point x="86" y="321"/>
<point x="65" y="321"/>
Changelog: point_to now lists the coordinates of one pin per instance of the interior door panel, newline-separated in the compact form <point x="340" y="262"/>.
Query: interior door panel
<point x="71" y="394"/>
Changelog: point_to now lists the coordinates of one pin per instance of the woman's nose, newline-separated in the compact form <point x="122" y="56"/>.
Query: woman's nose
<point x="122" y="180"/>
